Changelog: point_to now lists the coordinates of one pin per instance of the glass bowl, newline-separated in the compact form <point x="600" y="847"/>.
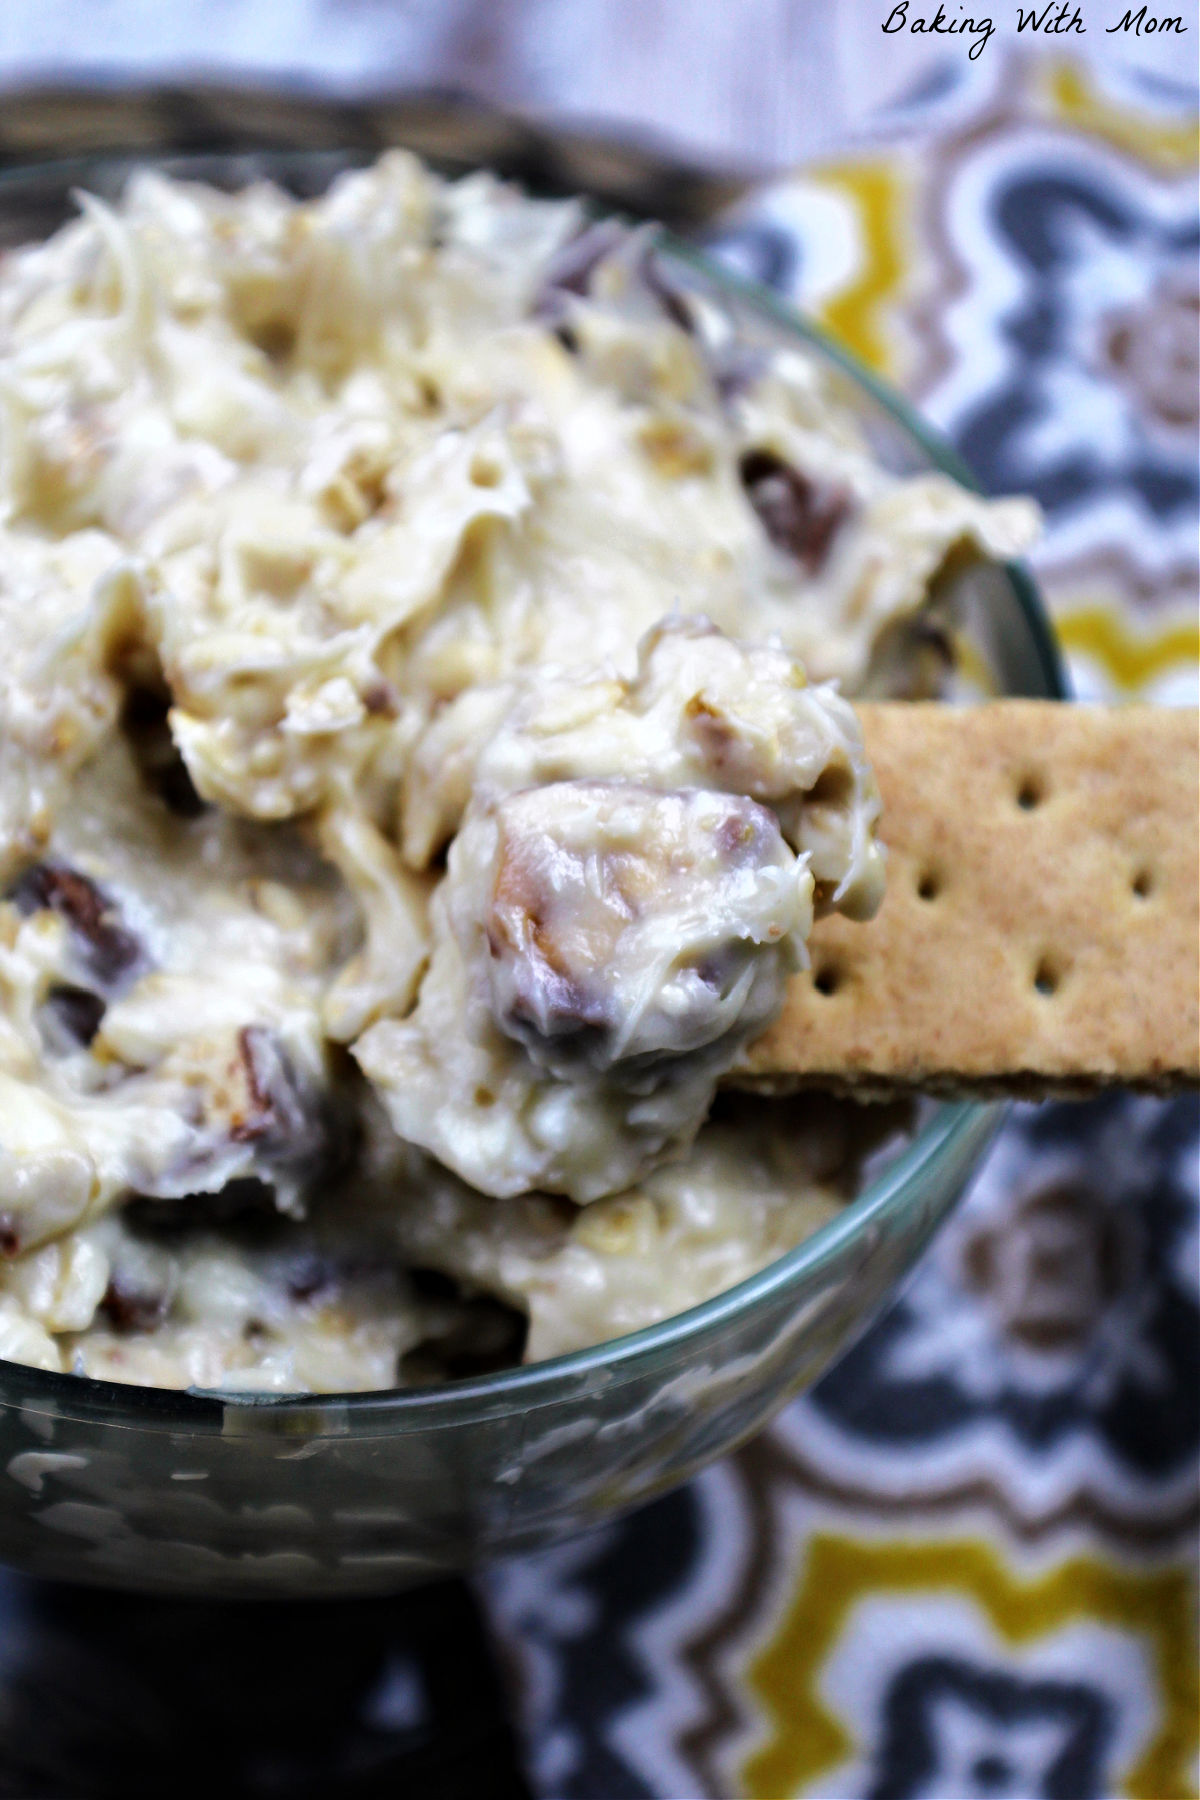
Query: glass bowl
<point x="204" y="1494"/>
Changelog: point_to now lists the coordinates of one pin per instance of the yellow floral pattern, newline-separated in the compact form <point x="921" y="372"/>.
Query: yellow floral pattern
<point x="808" y="1740"/>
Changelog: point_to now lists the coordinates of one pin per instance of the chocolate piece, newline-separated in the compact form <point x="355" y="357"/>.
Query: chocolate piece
<point x="568" y="904"/>
<point x="288" y="1116"/>
<point x="129" y="1308"/>
<point x="798" y="515"/>
<point x="293" y="1123"/>
<point x="72" y="1016"/>
<point x="110" y="951"/>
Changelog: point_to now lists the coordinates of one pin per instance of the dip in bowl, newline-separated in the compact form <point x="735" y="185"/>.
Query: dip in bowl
<point x="801" y="505"/>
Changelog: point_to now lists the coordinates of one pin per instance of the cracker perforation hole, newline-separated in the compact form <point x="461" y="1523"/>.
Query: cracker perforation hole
<point x="827" y="979"/>
<point x="929" y="885"/>
<point x="1047" y="976"/>
<point x="1142" y="885"/>
<point x="1031" y="791"/>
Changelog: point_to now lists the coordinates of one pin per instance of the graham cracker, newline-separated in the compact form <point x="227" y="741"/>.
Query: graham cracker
<point x="1041" y="927"/>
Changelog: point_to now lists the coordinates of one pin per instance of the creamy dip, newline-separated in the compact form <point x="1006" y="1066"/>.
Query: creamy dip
<point x="423" y="751"/>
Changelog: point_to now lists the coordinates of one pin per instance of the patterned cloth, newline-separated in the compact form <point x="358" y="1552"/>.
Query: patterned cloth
<point x="966" y="1563"/>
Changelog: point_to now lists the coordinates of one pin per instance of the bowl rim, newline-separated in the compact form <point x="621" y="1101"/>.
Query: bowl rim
<point x="955" y="1123"/>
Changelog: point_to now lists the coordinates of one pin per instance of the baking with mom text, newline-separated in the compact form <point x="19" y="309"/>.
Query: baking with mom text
<point x="1052" y="19"/>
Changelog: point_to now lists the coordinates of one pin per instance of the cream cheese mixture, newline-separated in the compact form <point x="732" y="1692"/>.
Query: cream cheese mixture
<point x="423" y="753"/>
